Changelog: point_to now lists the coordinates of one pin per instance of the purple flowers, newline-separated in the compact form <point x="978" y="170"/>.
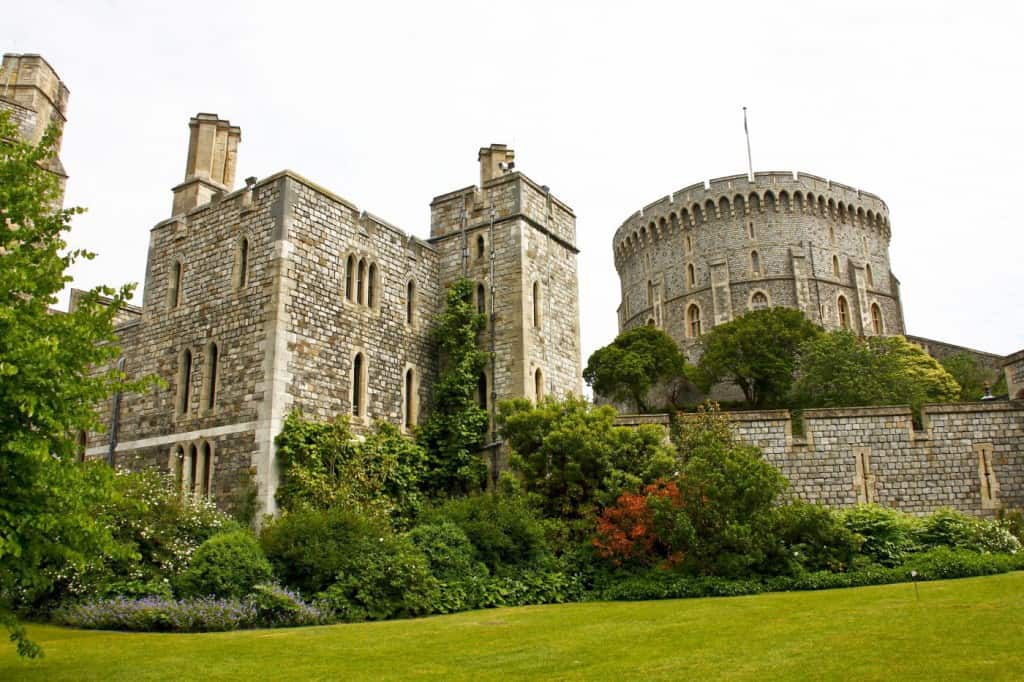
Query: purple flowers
<point x="207" y="614"/>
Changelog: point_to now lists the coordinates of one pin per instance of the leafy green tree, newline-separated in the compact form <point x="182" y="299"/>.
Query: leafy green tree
<point x="48" y="382"/>
<point x="839" y="369"/>
<point x="636" y="360"/>
<point x="573" y="456"/>
<point x="971" y="376"/>
<point x="757" y="352"/>
<point x="454" y="433"/>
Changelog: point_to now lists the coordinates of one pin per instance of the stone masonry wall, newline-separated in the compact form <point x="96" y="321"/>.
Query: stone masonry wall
<point x="969" y="456"/>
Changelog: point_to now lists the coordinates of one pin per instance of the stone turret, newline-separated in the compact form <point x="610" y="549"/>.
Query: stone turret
<point x="210" y="168"/>
<point x="36" y="98"/>
<point x="495" y="161"/>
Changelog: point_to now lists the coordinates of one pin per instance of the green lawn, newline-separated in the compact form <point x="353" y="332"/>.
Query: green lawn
<point x="959" y="630"/>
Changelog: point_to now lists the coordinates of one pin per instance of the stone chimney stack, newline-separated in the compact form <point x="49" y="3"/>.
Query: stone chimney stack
<point x="495" y="161"/>
<point x="210" y="169"/>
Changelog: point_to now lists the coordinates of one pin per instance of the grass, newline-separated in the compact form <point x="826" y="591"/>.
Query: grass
<point x="959" y="629"/>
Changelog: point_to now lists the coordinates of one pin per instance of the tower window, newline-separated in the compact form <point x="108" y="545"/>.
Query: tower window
<point x="207" y="469"/>
<point x="835" y="266"/>
<point x="371" y="286"/>
<point x="410" y="398"/>
<point x="481" y="391"/>
<point x="844" y="312"/>
<point x="358" y="387"/>
<point x="410" y="301"/>
<point x="759" y="301"/>
<point x="184" y="381"/>
<point x="650" y="292"/>
<point x="691" y="277"/>
<point x="174" y="285"/>
<point x="480" y="246"/>
<point x="210" y="395"/>
<point x="481" y="299"/>
<point x="876" y="319"/>
<point x="361" y="281"/>
<point x="242" y="266"/>
<point x="536" y="305"/>
<point x="868" y="274"/>
<point x="178" y="467"/>
<point x="693" y="318"/>
<point x="350" y="274"/>
<point x="755" y="262"/>
<point x="750" y="228"/>
<point x="192" y="465"/>
<point x="538" y="384"/>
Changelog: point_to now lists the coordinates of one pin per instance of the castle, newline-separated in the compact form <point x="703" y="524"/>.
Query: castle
<point x="283" y="295"/>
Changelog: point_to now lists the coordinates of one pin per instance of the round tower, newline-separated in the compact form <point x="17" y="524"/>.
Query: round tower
<point x="714" y="250"/>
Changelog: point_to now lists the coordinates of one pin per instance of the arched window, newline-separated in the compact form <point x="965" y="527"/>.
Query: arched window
<point x="410" y="301"/>
<point x="207" y="459"/>
<point x="481" y="299"/>
<point x="689" y="244"/>
<point x="371" y="286"/>
<point x="410" y="398"/>
<point x="192" y="465"/>
<point x="174" y="285"/>
<point x="691" y="277"/>
<point x="844" y="312"/>
<point x="178" y="467"/>
<point x="210" y="394"/>
<point x="750" y="230"/>
<point x="361" y="281"/>
<point x="650" y="322"/>
<point x="755" y="262"/>
<point x="481" y="391"/>
<point x="876" y="319"/>
<point x="538" y="384"/>
<point x="358" y="407"/>
<point x="350" y="275"/>
<point x="184" y="381"/>
<point x="480" y="246"/>
<point x="835" y="266"/>
<point x="759" y="301"/>
<point x="693" y="318"/>
<point x="536" y="305"/>
<point x="869" y="275"/>
<point x="242" y="264"/>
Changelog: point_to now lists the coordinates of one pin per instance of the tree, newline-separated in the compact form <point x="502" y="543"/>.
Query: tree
<point x="454" y="433"/>
<point x="839" y="369"/>
<point x="629" y="366"/>
<point x="573" y="456"/>
<point x="49" y="383"/>
<point x="757" y="352"/>
<point x="972" y="377"/>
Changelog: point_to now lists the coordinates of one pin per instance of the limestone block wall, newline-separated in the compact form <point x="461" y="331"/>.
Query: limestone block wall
<point x="968" y="456"/>
<point x="730" y="245"/>
<point x="1013" y="367"/>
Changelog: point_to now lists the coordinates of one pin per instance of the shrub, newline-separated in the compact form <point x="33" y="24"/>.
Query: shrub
<point x="889" y="535"/>
<point x="448" y="551"/>
<point x="944" y="562"/>
<point x="950" y="528"/>
<point x="156" y="614"/>
<point x="309" y="548"/>
<point x="505" y="530"/>
<point x="382" y="580"/>
<point x="813" y="539"/>
<point x="226" y="565"/>
<point x="278" y="607"/>
<point x="645" y="528"/>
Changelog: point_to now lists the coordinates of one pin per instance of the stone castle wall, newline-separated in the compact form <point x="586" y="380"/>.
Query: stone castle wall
<point x="725" y="247"/>
<point x="968" y="456"/>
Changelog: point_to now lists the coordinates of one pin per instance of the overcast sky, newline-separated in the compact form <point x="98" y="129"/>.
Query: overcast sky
<point x="612" y="105"/>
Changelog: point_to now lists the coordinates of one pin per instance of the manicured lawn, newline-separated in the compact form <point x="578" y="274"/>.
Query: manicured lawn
<point x="959" y="630"/>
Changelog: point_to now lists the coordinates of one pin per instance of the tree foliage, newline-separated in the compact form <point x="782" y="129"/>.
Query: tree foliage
<point x="972" y="377"/>
<point x="839" y="369"/>
<point x="572" y="454"/>
<point x="757" y="352"/>
<point x="454" y="433"/>
<point x="636" y="360"/>
<point x="48" y="379"/>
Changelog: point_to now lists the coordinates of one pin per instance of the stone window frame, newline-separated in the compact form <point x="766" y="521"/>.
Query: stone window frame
<point x="211" y="374"/>
<point x="755" y="263"/>
<point x="691" y="276"/>
<point x="176" y="466"/>
<point x="869" y="276"/>
<point x="191" y="465"/>
<point x="358" y="407"/>
<point x="843" y="312"/>
<point x="538" y="385"/>
<point x="836" y="271"/>
<point x="480" y="298"/>
<point x="410" y="397"/>
<point x="175" y="280"/>
<point x="753" y="294"/>
<point x="538" y="304"/>
<point x="242" y="270"/>
<point x="183" y="382"/>
<point x="362" y="284"/>
<point x="411" y="301"/>
<point x="481" y="247"/>
<point x="692" y="320"/>
<point x="877" y="321"/>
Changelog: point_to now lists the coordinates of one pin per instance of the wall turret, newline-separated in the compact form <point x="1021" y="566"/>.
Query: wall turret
<point x="210" y="167"/>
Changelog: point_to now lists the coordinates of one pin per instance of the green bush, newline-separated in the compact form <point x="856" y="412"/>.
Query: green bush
<point x="448" y="551"/>
<point x="505" y="530"/>
<point x="889" y="535"/>
<point x="387" y="579"/>
<point x="813" y="539"/>
<point x="950" y="528"/>
<point x="309" y="548"/>
<point x="944" y="562"/>
<point x="226" y="565"/>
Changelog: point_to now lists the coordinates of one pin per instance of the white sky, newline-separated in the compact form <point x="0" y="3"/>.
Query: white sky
<point x="612" y="105"/>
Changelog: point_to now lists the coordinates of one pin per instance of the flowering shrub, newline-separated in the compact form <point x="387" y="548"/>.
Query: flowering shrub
<point x="950" y="528"/>
<point x="226" y="565"/>
<point x="279" y="607"/>
<point x="644" y="528"/>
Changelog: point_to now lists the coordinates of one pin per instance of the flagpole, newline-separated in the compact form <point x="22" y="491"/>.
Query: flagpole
<point x="750" y="163"/>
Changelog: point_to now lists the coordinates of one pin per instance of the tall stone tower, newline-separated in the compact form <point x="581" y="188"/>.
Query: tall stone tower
<point x="36" y="98"/>
<point x="518" y="243"/>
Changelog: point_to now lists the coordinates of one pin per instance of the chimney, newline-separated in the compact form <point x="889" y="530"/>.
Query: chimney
<point x="210" y="168"/>
<point x="495" y="161"/>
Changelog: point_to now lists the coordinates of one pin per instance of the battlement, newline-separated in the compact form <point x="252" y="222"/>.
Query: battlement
<point x="733" y="196"/>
